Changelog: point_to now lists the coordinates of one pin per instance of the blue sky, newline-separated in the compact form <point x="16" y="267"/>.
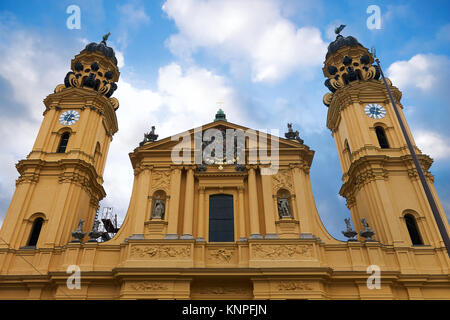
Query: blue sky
<point x="262" y="58"/>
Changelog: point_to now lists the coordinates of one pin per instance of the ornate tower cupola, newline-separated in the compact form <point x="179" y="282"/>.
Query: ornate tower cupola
<point x="380" y="181"/>
<point x="95" y="67"/>
<point x="61" y="179"/>
<point x="347" y="61"/>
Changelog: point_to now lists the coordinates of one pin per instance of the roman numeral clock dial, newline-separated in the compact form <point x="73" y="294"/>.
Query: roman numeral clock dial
<point x="69" y="117"/>
<point x="375" y="111"/>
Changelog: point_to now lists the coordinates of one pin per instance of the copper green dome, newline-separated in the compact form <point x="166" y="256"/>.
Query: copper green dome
<point x="220" y="115"/>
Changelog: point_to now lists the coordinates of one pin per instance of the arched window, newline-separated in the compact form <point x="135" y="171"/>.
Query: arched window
<point x="413" y="230"/>
<point x="382" y="139"/>
<point x="35" y="232"/>
<point x="284" y="204"/>
<point x="221" y="218"/>
<point x="63" y="142"/>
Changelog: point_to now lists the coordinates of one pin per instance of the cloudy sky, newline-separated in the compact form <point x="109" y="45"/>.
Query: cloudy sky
<point x="262" y="58"/>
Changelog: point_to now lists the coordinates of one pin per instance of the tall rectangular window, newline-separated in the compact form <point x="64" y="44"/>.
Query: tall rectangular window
<point x="221" y="218"/>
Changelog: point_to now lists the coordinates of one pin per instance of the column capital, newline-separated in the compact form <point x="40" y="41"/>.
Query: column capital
<point x="174" y="167"/>
<point x="189" y="168"/>
<point x="297" y="165"/>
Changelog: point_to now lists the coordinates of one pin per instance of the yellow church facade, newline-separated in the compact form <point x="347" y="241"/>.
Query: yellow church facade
<point x="239" y="226"/>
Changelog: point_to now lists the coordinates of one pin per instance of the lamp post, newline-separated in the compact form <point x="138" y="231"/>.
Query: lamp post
<point x="426" y="187"/>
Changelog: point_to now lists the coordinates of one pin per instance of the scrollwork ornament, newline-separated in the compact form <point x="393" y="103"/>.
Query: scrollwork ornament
<point x="327" y="98"/>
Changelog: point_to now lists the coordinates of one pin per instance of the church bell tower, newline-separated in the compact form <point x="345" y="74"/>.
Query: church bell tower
<point x="60" y="181"/>
<point x="380" y="181"/>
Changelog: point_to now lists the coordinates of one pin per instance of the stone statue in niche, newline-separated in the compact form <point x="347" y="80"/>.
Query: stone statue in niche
<point x="158" y="209"/>
<point x="283" y="208"/>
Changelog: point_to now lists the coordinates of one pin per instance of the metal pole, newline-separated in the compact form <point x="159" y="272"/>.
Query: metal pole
<point x="426" y="187"/>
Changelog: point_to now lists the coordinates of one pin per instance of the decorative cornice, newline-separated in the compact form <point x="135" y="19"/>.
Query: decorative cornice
<point x="73" y="171"/>
<point x="373" y="167"/>
<point x="223" y="173"/>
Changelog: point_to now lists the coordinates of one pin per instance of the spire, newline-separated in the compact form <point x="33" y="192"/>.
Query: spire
<point x="220" y="116"/>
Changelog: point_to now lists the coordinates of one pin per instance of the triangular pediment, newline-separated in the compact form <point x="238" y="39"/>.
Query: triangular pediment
<point x="161" y="152"/>
<point x="168" y="143"/>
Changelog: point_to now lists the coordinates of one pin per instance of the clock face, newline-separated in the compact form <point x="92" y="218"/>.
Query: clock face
<point x="69" y="117"/>
<point x="375" y="111"/>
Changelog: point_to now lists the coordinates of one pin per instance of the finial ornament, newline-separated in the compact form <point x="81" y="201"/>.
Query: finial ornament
<point x="105" y="37"/>
<point x="149" y="137"/>
<point x="367" y="232"/>
<point x="349" y="233"/>
<point x="78" y="234"/>
<point x="292" y="135"/>
<point x="220" y="115"/>
<point x="339" y="29"/>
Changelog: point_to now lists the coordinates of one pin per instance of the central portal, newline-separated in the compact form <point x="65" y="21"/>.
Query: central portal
<point x="221" y="218"/>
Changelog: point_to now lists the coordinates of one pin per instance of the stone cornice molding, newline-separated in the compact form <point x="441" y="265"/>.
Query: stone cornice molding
<point x="74" y="171"/>
<point x="373" y="167"/>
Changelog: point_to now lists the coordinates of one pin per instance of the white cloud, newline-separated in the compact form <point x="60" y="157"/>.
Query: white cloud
<point x="134" y="15"/>
<point x="32" y="69"/>
<point x="131" y="17"/>
<point x="433" y="144"/>
<point x="423" y="72"/>
<point x="120" y="59"/>
<point x="251" y="30"/>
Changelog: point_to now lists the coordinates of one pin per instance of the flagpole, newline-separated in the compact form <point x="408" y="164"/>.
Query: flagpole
<point x="426" y="187"/>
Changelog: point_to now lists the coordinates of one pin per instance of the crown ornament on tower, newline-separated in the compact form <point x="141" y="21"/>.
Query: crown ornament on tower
<point x="94" y="68"/>
<point x="347" y="61"/>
